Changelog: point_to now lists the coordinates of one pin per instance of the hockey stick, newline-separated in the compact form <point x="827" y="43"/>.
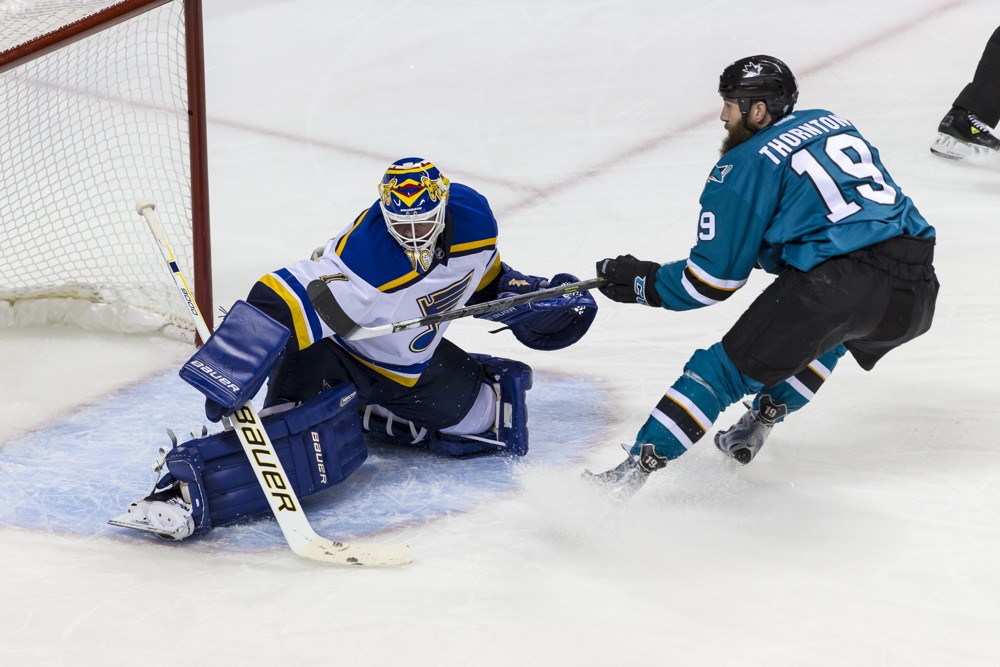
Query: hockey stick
<point x="330" y="311"/>
<point x="260" y="452"/>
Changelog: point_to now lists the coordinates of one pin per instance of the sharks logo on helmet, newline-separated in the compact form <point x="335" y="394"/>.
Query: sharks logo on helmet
<point x="760" y="78"/>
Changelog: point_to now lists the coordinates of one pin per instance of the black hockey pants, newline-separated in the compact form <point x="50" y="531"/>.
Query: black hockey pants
<point x="871" y="300"/>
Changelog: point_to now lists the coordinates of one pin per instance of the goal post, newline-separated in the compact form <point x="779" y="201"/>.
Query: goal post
<point x="103" y="104"/>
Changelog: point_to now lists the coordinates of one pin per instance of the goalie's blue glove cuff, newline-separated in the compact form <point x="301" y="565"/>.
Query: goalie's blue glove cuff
<point x="515" y="282"/>
<point x="214" y="412"/>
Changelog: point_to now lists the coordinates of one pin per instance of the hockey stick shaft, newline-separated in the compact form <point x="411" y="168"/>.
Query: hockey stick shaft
<point x="329" y="310"/>
<point x="147" y="210"/>
<point x="271" y="476"/>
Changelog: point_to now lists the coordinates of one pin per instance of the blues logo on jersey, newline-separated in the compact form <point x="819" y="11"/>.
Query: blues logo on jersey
<point x="437" y="302"/>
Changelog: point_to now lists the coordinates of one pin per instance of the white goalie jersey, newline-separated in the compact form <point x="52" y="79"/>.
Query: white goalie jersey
<point x="376" y="282"/>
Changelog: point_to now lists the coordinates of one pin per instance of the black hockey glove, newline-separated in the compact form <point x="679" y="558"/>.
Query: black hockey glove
<point x="629" y="280"/>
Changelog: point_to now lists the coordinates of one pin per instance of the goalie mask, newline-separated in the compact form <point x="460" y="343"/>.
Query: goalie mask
<point x="413" y="195"/>
<point x="760" y="78"/>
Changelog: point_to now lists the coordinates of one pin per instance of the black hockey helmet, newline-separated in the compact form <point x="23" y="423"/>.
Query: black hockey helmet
<point x="760" y="78"/>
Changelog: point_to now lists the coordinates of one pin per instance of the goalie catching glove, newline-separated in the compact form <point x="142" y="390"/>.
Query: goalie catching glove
<point x="629" y="280"/>
<point x="547" y="324"/>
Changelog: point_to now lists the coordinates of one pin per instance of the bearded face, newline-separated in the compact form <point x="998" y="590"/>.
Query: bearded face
<point x="736" y="131"/>
<point x="734" y="137"/>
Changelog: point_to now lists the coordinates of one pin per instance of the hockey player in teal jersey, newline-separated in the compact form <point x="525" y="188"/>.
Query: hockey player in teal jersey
<point x="803" y="195"/>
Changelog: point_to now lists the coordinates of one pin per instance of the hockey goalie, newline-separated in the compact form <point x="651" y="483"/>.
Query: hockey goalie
<point x="426" y="246"/>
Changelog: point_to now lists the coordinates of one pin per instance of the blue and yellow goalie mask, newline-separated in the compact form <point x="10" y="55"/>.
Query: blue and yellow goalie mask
<point x="413" y="195"/>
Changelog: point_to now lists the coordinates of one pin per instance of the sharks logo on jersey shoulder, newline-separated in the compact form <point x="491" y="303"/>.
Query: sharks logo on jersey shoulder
<point x="719" y="172"/>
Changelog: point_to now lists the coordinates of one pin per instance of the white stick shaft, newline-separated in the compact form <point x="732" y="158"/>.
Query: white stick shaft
<point x="147" y="209"/>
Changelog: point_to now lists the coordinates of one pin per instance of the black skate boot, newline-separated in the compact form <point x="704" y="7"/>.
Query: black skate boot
<point x="962" y="135"/>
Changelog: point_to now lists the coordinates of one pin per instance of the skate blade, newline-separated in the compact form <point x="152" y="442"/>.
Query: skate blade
<point x="951" y="148"/>
<point x="126" y="521"/>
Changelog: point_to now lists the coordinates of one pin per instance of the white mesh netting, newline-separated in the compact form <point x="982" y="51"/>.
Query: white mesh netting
<point x="89" y="129"/>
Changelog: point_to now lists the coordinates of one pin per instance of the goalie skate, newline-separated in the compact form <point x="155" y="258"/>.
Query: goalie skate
<point x="164" y="514"/>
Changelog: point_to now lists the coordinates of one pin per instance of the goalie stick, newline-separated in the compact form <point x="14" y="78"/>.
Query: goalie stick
<point x="330" y="311"/>
<point x="284" y="504"/>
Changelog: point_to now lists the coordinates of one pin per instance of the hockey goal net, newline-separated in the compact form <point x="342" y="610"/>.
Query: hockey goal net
<point x="102" y="104"/>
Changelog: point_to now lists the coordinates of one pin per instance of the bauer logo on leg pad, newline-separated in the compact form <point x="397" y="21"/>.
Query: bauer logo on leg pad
<point x="318" y="448"/>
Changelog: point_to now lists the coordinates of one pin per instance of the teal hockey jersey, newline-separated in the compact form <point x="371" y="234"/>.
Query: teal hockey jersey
<point x="797" y="193"/>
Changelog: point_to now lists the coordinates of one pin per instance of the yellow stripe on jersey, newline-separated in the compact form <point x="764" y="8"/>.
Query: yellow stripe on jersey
<point x="491" y="273"/>
<point x="343" y="241"/>
<point x="395" y="377"/>
<point x="472" y="245"/>
<point x="412" y="275"/>
<point x="302" y="334"/>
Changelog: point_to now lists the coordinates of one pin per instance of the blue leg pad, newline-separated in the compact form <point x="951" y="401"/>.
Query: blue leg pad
<point x="319" y="444"/>
<point x="510" y="380"/>
<point x="513" y="379"/>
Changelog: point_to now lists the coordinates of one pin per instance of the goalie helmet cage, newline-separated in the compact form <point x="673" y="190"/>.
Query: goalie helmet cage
<point x="103" y="104"/>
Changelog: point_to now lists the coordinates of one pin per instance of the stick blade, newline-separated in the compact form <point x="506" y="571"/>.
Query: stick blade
<point x="329" y="310"/>
<point x="326" y="306"/>
<point x="366" y="555"/>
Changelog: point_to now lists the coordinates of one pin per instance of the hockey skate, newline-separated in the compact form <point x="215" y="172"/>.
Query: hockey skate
<point x="630" y="475"/>
<point x="164" y="513"/>
<point x="962" y="135"/>
<point x="743" y="440"/>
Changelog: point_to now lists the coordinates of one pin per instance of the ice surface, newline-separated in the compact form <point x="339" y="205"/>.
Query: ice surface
<point x="51" y="480"/>
<point x="865" y="533"/>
